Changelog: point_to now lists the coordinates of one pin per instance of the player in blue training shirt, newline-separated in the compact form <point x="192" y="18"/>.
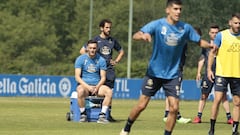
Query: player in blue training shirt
<point x="169" y="39"/>
<point x="90" y="73"/>
<point x="106" y="45"/>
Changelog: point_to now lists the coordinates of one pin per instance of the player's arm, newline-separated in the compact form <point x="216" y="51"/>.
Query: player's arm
<point x="82" y="50"/>
<point x="80" y="80"/>
<point x="120" y="55"/>
<point x="142" y="36"/>
<point x="211" y="55"/>
<point x="102" y="80"/>
<point x="199" y="69"/>
<point x="118" y="58"/>
<point x="206" y="44"/>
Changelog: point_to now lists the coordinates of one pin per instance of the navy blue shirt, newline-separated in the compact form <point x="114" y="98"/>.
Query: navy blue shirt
<point x="106" y="46"/>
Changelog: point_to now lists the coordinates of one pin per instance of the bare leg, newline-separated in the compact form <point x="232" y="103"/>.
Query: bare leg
<point x="202" y="102"/>
<point x="215" y="108"/>
<point x="236" y="111"/>
<point x="173" y="110"/>
<point x="141" y="105"/>
<point x="225" y="103"/>
<point x="215" y="105"/>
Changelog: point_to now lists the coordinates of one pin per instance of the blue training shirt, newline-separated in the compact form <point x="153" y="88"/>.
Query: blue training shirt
<point x="90" y="68"/>
<point x="168" y="44"/>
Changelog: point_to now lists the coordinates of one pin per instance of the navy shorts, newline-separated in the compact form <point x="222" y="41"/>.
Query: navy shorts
<point x="110" y="77"/>
<point x="206" y="85"/>
<point x="221" y="84"/>
<point x="152" y="84"/>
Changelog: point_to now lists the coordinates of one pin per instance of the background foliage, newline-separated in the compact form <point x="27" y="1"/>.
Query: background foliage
<point x="44" y="36"/>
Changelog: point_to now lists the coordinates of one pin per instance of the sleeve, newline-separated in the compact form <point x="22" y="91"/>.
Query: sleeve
<point x="79" y="62"/>
<point x="193" y="35"/>
<point x="103" y="64"/>
<point x="217" y="40"/>
<point x="149" y="28"/>
<point x="117" y="46"/>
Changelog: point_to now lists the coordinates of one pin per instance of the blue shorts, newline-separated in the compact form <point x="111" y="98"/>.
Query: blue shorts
<point x="152" y="84"/>
<point x="206" y="85"/>
<point x="221" y="84"/>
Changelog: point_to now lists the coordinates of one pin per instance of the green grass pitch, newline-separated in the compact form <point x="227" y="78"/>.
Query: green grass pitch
<point x="46" y="116"/>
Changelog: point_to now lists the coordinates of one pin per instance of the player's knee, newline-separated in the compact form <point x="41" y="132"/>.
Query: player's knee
<point x="141" y="107"/>
<point x="109" y="93"/>
<point x="173" y="108"/>
<point x="237" y="104"/>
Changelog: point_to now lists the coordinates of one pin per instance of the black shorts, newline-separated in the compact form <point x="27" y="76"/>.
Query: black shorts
<point x="152" y="84"/>
<point x="110" y="77"/>
<point x="221" y="84"/>
<point x="206" y="85"/>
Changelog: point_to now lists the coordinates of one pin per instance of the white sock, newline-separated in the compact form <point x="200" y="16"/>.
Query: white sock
<point x="82" y="109"/>
<point x="104" y="109"/>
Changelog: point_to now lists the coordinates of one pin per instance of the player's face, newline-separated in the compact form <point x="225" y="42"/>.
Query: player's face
<point x="213" y="32"/>
<point x="235" y="25"/>
<point x="106" y="30"/>
<point x="92" y="49"/>
<point x="174" y="13"/>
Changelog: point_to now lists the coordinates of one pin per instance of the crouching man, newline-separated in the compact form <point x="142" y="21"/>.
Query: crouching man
<point x="90" y="73"/>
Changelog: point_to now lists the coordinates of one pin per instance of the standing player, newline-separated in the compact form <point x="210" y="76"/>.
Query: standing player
<point x="170" y="36"/>
<point x="227" y="70"/>
<point x="206" y="85"/>
<point x="106" y="45"/>
<point x="180" y="119"/>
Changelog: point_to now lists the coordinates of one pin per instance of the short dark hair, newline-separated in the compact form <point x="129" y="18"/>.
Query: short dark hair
<point x="214" y="26"/>
<point x="237" y="14"/>
<point x="91" y="42"/>
<point x="171" y="2"/>
<point x="102" y="22"/>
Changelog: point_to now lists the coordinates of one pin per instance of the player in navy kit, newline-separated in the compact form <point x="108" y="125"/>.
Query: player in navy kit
<point x="90" y="73"/>
<point x="169" y="37"/>
<point x="106" y="46"/>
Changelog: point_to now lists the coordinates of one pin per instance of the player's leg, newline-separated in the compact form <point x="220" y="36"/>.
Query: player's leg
<point x="226" y="107"/>
<point x="82" y="93"/>
<point x="214" y="111"/>
<point x="172" y="92"/>
<point x="236" y="108"/>
<point x="220" y="89"/>
<point x="172" y="115"/>
<point x="149" y="88"/>
<point x="235" y="90"/>
<point x="206" y="88"/>
<point x="179" y="119"/>
<point x="110" y="79"/>
<point x="135" y="112"/>
<point x="105" y="92"/>
<point x="166" y="110"/>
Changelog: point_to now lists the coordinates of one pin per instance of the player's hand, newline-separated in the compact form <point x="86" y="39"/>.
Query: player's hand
<point x="198" y="77"/>
<point x="147" y="37"/>
<point x="210" y="76"/>
<point x="113" y="62"/>
<point x="213" y="46"/>
<point x="95" y="90"/>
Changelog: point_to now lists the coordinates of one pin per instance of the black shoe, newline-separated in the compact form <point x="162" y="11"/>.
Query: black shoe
<point x="235" y="133"/>
<point x="211" y="132"/>
<point x="111" y="119"/>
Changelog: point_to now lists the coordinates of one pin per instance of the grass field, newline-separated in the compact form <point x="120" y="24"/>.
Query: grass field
<point x="46" y="116"/>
